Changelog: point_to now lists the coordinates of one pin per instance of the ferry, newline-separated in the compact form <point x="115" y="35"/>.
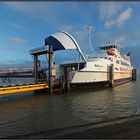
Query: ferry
<point x="97" y="68"/>
<point x="93" y="69"/>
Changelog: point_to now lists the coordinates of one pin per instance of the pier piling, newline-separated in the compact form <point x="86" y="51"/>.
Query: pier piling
<point x="134" y="74"/>
<point x="50" y="69"/>
<point x="68" y="80"/>
<point x="111" y="76"/>
<point x="35" y="68"/>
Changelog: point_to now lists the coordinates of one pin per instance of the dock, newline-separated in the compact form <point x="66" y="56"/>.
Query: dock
<point x="22" y="88"/>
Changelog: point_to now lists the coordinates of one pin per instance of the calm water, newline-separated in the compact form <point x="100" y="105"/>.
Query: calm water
<point x="25" y="113"/>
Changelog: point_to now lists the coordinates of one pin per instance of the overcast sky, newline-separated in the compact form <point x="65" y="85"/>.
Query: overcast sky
<point x="25" y="25"/>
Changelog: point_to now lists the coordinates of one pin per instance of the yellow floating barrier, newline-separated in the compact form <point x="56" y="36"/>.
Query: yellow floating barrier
<point x="22" y="88"/>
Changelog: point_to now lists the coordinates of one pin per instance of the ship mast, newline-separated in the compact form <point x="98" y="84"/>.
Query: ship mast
<point x="89" y="28"/>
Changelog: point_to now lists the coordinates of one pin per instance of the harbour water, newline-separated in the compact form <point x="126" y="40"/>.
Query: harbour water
<point x="29" y="113"/>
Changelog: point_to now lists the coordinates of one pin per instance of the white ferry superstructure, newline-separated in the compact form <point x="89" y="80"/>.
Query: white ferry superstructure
<point x="96" y="69"/>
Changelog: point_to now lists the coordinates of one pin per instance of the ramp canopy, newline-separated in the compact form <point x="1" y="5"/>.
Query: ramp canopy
<point x="63" y="41"/>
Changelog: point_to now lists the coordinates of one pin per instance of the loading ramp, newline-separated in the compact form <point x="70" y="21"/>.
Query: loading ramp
<point x="22" y="88"/>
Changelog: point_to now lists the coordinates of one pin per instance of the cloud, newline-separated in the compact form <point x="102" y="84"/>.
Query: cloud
<point x="109" y="24"/>
<point x="4" y="48"/>
<point x="120" y="20"/>
<point x="40" y="10"/>
<point x="67" y="28"/>
<point x="25" y="7"/>
<point x="7" y="48"/>
<point x="47" y="12"/>
<point x="109" y="9"/>
<point x="17" y="40"/>
<point x="16" y="63"/>
<point x="124" y="16"/>
<point x="109" y="37"/>
<point x="55" y="13"/>
<point x="15" y="25"/>
<point x="121" y="38"/>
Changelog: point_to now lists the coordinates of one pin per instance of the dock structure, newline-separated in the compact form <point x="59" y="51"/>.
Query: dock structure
<point x="22" y="88"/>
<point x="19" y="70"/>
<point x="47" y="49"/>
<point x="6" y="74"/>
<point x="55" y="42"/>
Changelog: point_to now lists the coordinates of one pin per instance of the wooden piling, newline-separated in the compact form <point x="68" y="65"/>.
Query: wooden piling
<point x="50" y="69"/>
<point x="68" y="81"/>
<point x="111" y="76"/>
<point x="134" y="74"/>
<point x="35" y="68"/>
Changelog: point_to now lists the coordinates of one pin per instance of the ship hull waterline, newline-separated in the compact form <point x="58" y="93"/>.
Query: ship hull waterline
<point x="99" y="79"/>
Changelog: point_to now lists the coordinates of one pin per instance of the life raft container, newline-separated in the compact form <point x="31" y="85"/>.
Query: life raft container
<point x="110" y="52"/>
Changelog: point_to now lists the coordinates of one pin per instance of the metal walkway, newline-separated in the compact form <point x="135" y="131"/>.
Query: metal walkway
<point x="22" y="88"/>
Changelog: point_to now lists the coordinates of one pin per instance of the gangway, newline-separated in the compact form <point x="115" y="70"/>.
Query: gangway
<point x="23" y="88"/>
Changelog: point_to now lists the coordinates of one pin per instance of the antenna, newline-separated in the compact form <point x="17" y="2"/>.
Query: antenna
<point x="115" y="42"/>
<point x="89" y="28"/>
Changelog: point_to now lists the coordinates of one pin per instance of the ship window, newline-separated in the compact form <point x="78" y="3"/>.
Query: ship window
<point x="124" y="63"/>
<point x="105" y="57"/>
<point x="117" y="61"/>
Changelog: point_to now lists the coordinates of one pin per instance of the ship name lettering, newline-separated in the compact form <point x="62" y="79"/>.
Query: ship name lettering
<point x="97" y="65"/>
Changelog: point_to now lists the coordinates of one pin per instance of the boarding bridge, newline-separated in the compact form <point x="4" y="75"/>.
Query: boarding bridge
<point x="56" y="42"/>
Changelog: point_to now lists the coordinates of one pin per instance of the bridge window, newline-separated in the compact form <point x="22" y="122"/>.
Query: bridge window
<point x="117" y="61"/>
<point x="124" y="63"/>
